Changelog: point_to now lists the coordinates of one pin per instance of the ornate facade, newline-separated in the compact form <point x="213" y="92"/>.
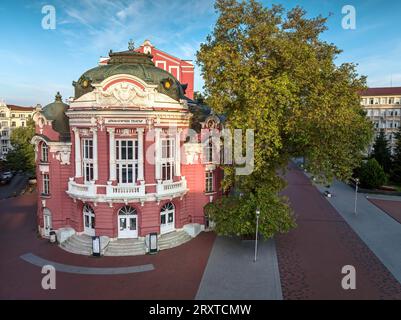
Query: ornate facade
<point x="120" y="160"/>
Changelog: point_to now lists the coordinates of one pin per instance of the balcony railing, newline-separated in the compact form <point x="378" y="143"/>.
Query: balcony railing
<point x="126" y="193"/>
<point x="167" y="188"/>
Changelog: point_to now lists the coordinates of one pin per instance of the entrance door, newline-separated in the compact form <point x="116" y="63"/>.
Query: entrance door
<point x="127" y="223"/>
<point x="167" y="214"/>
<point x="47" y="222"/>
<point x="89" y="220"/>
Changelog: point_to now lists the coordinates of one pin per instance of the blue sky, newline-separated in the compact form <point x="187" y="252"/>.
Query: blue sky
<point x="35" y="63"/>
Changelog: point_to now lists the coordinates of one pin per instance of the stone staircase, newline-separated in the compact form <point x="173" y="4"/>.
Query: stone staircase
<point x="78" y="244"/>
<point x="125" y="247"/>
<point x="82" y="244"/>
<point x="173" y="239"/>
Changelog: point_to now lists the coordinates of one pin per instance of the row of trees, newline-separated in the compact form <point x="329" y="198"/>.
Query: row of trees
<point x="383" y="166"/>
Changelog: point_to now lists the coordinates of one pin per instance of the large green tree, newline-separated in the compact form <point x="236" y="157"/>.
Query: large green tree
<point x="396" y="159"/>
<point x="268" y="69"/>
<point x="22" y="154"/>
<point x="381" y="151"/>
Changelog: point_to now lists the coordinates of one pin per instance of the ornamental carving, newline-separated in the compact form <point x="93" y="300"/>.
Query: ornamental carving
<point x="122" y="94"/>
<point x="64" y="155"/>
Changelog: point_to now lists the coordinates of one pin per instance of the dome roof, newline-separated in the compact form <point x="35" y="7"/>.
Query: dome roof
<point x="56" y="113"/>
<point x="132" y="63"/>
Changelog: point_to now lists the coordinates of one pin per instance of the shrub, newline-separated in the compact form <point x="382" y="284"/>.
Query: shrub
<point x="372" y="175"/>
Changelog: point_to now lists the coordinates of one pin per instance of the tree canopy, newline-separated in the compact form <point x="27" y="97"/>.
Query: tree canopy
<point x="396" y="159"/>
<point x="267" y="69"/>
<point x="381" y="151"/>
<point x="22" y="154"/>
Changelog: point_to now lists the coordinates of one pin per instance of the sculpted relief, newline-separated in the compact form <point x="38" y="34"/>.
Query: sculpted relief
<point x="122" y="94"/>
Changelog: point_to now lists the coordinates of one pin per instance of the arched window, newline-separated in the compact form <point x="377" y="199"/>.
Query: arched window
<point x="44" y="155"/>
<point x="167" y="207"/>
<point x="126" y="211"/>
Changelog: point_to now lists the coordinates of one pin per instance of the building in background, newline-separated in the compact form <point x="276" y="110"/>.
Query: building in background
<point x="383" y="107"/>
<point x="182" y="70"/>
<point x="117" y="163"/>
<point x="11" y="117"/>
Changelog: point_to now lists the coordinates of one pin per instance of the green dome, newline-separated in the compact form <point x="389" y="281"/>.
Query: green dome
<point x="56" y="112"/>
<point x="132" y="63"/>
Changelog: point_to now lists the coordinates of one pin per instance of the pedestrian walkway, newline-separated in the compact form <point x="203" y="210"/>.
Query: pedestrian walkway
<point x="380" y="232"/>
<point x="312" y="256"/>
<point x="231" y="272"/>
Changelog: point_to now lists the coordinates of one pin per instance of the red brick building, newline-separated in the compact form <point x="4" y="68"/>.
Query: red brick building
<point x="117" y="160"/>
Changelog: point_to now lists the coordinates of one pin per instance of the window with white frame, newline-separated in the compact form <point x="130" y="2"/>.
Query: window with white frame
<point x="87" y="159"/>
<point x="126" y="161"/>
<point x="44" y="155"/>
<point x="46" y="184"/>
<point x="167" y="158"/>
<point x="209" y="150"/>
<point x="209" y="182"/>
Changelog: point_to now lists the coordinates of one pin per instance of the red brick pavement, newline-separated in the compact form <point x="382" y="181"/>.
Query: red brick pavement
<point x="177" y="273"/>
<point x="392" y="208"/>
<point x="311" y="256"/>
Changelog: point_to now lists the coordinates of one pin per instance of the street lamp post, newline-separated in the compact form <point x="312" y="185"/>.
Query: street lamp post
<point x="356" y="195"/>
<point x="257" y="232"/>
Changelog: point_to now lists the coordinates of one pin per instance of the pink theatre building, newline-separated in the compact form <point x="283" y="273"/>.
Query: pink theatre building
<point x="120" y="161"/>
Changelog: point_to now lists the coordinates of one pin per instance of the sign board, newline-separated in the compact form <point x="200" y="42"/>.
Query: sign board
<point x="125" y="121"/>
<point x="96" y="246"/>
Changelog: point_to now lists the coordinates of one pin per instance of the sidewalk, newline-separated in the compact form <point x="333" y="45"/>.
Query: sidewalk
<point x="232" y="274"/>
<point x="311" y="257"/>
<point x="380" y="232"/>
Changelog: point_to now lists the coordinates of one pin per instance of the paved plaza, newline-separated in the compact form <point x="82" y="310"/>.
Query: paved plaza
<point x="306" y="263"/>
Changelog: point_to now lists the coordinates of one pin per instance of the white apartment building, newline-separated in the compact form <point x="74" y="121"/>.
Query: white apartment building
<point x="11" y="117"/>
<point x="383" y="107"/>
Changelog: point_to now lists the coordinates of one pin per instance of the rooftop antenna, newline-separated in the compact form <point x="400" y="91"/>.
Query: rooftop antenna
<point x="391" y="80"/>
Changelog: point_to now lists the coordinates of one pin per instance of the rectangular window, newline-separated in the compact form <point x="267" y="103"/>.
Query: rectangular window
<point x="87" y="152"/>
<point x="126" y="161"/>
<point x="45" y="153"/>
<point x="209" y="154"/>
<point x="209" y="182"/>
<point x="168" y="159"/>
<point x="46" y="184"/>
<point x="4" y="133"/>
<point x="13" y="124"/>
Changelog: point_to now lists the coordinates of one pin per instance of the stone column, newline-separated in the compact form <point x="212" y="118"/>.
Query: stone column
<point x="178" y="153"/>
<point x="158" y="153"/>
<point x="112" y="151"/>
<point x="78" y="165"/>
<point x="95" y="154"/>
<point x="140" y="154"/>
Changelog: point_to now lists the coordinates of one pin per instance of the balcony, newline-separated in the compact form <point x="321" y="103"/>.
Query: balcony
<point x="128" y="193"/>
